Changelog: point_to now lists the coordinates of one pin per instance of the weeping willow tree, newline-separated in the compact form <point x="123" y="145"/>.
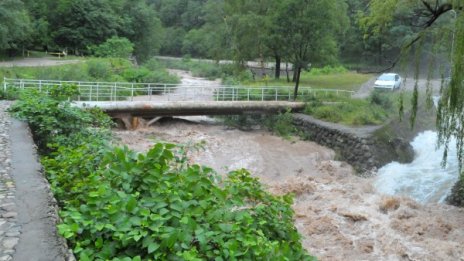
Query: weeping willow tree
<point x="440" y="22"/>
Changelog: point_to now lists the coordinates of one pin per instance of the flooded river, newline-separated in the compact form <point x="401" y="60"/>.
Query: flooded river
<point x="340" y="215"/>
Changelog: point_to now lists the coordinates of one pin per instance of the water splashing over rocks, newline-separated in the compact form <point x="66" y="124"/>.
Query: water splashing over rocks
<point x="424" y="179"/>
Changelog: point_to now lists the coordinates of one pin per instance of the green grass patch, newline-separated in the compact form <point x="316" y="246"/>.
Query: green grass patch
<point x="95" y="69"/>
<point x="375" y="110"/>
<point x="350" y="81"/>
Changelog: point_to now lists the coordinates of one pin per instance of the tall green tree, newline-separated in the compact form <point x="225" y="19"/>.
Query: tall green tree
<point x="78" y="24"/>
<point x="15" y="26"/>
<point x="311" y="29"/>
<point x="143" y="28"/>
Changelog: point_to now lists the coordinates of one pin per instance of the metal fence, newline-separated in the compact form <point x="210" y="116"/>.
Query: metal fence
<point x="119" y="91"/>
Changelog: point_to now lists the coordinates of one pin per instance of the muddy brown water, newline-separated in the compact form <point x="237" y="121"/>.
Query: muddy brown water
<point x="340" y="215"/>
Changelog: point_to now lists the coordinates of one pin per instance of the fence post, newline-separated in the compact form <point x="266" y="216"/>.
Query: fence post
<point x="78" y="91"/>
<point x="132" y="92"/>
<point x="98" y="90"/>
<point x="276" y="94"/>
<point x="248" y="94"/>
<point x="149" y="91"/>
<point x="90" y="94"/>
<point x="4" y="84"/>
<point x="262" y="94"/>
<point x="40" y="85"/>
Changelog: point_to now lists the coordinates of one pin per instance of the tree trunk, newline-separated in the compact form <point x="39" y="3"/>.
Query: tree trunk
<point x="297" y="83"/>
<point x="379" y="52"/>
<point x="278" y="61"/>
<point x="295" y="74"/>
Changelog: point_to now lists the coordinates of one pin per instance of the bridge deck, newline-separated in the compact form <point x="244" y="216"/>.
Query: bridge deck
<point x="154" y="109"/>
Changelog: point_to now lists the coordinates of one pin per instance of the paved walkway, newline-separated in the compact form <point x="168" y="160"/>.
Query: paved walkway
<point x="28" y="213"/>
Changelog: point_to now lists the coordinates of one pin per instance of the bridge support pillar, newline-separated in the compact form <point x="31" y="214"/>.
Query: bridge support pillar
<point x="130" y="122"/>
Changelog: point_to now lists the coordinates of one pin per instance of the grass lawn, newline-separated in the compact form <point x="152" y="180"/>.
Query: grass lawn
<point x="351" y="81"/>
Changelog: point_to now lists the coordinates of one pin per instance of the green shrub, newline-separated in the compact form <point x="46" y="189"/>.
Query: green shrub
<point x="99" y="69"/>
<point x="381" y="99"/>
<point x="51" y="118"/>
<point x="116" y="47"/>
<point x="136" y="74"/>
<point x="326" y="70"/>
<point x="355" y="112"/>
<point x="282" y="124"/>
<point x="117" y="204"/>
<point x="153" y="65"/>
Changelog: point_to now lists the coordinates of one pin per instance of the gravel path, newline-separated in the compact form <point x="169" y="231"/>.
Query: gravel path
<point x="28" y="211"/>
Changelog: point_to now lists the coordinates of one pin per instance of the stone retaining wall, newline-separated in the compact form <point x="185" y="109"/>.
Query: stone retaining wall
<point x="357" y="146"/>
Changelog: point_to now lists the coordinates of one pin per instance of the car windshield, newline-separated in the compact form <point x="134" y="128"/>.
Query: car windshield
<point x="387" y="77"/>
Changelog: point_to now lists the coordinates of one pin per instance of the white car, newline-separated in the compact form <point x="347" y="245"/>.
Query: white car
<point x="388" y="81"/>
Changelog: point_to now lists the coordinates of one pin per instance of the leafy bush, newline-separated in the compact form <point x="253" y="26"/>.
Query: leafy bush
<point x="282" y="124"/>
<point x="51" y="119"/>
<point x="348" y="111"/>
<point x="326" y="70"/>
<point x="116" y="47"/>
<point x="121" y="205"/>
<point x="381" y="99"/>
<point x="99" y="69"/>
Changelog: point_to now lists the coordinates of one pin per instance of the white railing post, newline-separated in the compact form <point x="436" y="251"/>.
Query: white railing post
<point x="276" y="94"/>
<point x="262" y="94"/>
<point x="79" y="91"/>
<point x="248" y="98"/>
<point x="132" y="92"/>
<point x="98" y="90"/>
<point x="90" y="93"/>
<point x="4" y="84"/>
<point x="149" y="91"/>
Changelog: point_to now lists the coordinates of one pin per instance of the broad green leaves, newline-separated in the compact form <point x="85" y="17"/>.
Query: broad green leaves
<point x="121" y="205"/>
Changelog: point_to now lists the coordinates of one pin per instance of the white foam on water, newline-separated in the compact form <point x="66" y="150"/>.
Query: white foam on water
<point x="424" y="179"/>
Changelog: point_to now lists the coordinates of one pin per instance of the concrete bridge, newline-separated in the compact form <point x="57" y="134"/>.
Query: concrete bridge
<point x="144" y="103"/>
<point x="144" y="113"/>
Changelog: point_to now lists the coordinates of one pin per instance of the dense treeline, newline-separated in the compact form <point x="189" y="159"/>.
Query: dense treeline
<point x="298" y="31"/>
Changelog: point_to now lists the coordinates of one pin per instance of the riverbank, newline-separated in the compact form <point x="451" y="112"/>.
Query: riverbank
<point x="340" y="215"/>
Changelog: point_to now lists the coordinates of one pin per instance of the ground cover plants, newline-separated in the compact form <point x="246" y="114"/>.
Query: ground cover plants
<point x="117" y="204"/>
<point x="95" y="69"/>
<point x="319" y="78"/>
<point x="375" y="110"/>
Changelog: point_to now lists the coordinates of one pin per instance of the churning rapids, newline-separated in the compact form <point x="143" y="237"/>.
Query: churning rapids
<point x="424" y="179"/>
<point x="340" y="216"/>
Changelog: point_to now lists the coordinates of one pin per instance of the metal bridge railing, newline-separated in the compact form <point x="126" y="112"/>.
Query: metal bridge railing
<point x="121" y="91"/>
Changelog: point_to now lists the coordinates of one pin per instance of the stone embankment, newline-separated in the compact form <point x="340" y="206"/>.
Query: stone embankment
<point x="9" y="227"/>
<point x="358" y="146"/>
<point x="28" y="211"/>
